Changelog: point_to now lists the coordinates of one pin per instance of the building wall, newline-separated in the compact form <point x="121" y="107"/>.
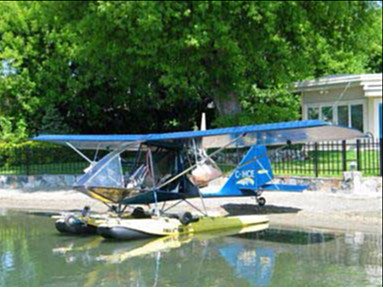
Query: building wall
<point x="333" y="95"/>
<point x="352" y="95"/>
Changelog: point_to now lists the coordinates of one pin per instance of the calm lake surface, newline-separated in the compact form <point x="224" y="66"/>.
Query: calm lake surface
<point x="32" y="253"/>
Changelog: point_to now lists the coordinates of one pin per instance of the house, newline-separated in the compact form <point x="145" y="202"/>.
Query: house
<point x="349" y="100"/>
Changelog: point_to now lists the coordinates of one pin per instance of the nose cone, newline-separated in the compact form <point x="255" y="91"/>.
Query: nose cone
<point x="71" y="224"/>
<point x="61" y="226"/>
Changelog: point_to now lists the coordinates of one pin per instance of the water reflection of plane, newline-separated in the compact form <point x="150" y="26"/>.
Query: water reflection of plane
<point x="248" y="255"/>
<point x="172" y="242"/>
<point x="74" y="246"/>
<point x="256" y="265"/>
<point x="123" y="251"/>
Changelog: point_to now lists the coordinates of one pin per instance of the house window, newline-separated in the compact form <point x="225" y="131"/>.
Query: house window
<point x="349" y="114"/>
<point x="313" y="113"/>
<point x="357" y="117"/>
<point x="343" y="116"/>
<point x="327" y="114"/>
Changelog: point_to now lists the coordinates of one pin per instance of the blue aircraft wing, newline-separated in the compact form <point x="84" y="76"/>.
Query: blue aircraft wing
<point x="263" y="134"/>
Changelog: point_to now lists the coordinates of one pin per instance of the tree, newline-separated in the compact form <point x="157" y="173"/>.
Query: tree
<point x="119" y="67"/>
<point x="375" y="58"/>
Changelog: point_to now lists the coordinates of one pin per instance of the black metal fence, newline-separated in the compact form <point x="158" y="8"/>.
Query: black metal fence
<point x="318" y="159"/>
<point x="332" y="158"/>
<point x="30" y="160"/>
<point x="311" y="159"/>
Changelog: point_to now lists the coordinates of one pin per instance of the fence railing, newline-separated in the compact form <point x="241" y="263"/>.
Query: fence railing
<point x="318" y="159"/>
<point x="311" y="159"/>
<point x="41" y="160"/>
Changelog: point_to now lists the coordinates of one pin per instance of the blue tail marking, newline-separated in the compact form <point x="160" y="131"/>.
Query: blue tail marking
<point x="253" y="174"/>
<point x="253" y="171"/>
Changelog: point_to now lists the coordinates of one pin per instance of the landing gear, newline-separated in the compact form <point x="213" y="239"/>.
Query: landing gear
<point x="85" y="211"/>
<point x="139" y="212"/>
<point x="261" y="201"/>
<point x="185" y="217"/>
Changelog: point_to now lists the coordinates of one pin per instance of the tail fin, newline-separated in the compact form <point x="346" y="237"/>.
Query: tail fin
<point x="253" y="171"/>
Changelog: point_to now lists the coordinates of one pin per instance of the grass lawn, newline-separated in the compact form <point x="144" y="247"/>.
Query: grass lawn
<point x="329" y="164"/>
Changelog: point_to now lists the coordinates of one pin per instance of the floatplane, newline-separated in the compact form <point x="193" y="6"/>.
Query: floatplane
<point x="174" y="167"/>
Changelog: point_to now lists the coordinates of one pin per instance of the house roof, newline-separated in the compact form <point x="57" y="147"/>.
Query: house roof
<point x="371" y="83"/>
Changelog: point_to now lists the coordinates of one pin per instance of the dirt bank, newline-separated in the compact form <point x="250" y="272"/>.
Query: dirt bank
<point x="303" y="210"/>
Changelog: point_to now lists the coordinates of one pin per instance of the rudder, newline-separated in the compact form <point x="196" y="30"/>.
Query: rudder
<point x="253" y="171"/>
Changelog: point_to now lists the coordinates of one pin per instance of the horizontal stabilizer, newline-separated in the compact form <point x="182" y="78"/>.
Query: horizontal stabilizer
<point x="284" y="187"/>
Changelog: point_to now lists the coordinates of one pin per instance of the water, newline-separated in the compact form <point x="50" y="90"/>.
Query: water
<point x="32" y="253"/>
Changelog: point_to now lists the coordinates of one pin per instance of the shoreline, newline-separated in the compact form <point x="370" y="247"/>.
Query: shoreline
<point x="307" y="210"/>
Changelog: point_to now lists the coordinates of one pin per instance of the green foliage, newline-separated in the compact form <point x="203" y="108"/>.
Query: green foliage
<point x="129" y="67"/>
<point x="10" y="132"/>
<point x="53" y="122"/>
<point x="375" y="57"/>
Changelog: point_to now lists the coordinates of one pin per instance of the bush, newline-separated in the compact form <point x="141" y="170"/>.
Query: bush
<point x="12" y="132"/>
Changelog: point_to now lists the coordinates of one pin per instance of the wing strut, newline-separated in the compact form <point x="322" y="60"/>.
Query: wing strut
<point x="208" y="157"/>
<point x="79" y="152"/>
<point x="194" y="165"/>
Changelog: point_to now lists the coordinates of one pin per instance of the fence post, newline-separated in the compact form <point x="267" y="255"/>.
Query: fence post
<point x="27" y="162"/>
<point x="344" y="155"/>
<point x="316" y="160"/>
<point x="358" y="162"/>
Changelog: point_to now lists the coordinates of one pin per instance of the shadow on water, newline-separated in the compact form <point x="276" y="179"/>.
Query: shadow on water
<point x="244" y="209"/>
<point x="289" y="236"/>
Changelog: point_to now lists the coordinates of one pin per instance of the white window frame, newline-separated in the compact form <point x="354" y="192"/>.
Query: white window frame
<point x="335" y="110"/>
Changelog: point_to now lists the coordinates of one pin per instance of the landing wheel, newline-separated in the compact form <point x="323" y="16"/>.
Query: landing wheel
<point x="139" y="212"/>
<point x="185" y="217"/>
<point x="261" y="201"/>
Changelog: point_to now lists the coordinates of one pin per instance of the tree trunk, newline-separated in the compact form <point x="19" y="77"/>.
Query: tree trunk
<point x="228" y="105"/>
